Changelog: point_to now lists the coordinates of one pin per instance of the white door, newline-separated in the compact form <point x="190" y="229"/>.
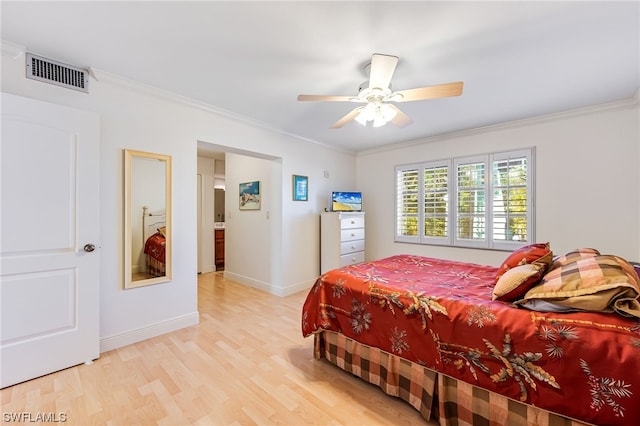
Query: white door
<point x="50" y="218"/>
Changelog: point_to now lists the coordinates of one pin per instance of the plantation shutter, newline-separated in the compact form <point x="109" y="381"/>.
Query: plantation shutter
<point x="436" y="223"/>
<point x="484" y="201"/>
<point x="408" y="201"/>
<point x="512" y="214"/>
<point x="471" y="202"/>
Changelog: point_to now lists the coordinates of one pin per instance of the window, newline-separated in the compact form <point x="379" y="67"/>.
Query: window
<point x="482" y="201"/>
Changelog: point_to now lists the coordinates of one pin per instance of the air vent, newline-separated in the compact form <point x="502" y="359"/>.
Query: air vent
<point x="43" y="69"/>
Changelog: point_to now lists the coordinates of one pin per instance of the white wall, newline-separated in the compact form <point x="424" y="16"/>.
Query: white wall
<point x="301" y="220"/>
<point x="587" y="181"/>
<point x="141" y="118"/>
<point x="248" y="233"/>
<point x="206" y="170"/>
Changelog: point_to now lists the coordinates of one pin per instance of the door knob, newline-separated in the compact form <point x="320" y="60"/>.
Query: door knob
<point x="89" y="248"/>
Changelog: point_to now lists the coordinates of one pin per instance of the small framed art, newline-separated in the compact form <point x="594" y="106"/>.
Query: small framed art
<point x="300" y="188"/>
<point x="250" y="195"/>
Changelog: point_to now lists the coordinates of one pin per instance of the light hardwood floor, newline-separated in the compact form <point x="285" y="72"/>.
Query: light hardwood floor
<point x="246" y="363"/>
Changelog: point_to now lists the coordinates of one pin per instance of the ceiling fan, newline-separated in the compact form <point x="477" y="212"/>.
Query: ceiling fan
<point x="377" y="95"/>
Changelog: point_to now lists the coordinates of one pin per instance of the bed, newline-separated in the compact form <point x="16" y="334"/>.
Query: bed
<point x="462" y="344"/>
<point x="154" y="240"/>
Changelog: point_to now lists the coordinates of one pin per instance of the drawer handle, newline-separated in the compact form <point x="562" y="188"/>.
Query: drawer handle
<point x="353" y="235"/>
<point x="353" y="222"/>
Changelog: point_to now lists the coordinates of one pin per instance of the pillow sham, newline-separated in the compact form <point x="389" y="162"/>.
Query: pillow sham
<point x="601" y="283"/>
<point x="636" y="267"/>
<point x="537" y="252"/>
<point x="514" y="283"/>
<point x="163" y="231"/>
<point x="574" y="255"/>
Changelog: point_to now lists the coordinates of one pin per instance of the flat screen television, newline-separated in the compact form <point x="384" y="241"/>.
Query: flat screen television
<point x="343" y="201"/>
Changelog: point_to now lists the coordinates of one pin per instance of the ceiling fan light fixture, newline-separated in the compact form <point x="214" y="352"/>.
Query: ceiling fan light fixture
<point x="367" y="113"/>
<point x="379" y="113"/>
<point x="379" y="121"/>
<point x="387" y="112"/>
<point x="361" y="117"/>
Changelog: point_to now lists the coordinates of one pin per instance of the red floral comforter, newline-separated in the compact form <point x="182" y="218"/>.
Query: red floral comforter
<point x="155" y="247"/>
<point x="440" y="314"/>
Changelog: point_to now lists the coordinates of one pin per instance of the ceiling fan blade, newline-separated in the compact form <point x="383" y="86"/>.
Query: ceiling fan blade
<point x="430" y="92"/>
<point x="382" y="69"/>
<point x="326" y="98"/>
<point x="347" y="118"/>
<point x="401" y="119"/>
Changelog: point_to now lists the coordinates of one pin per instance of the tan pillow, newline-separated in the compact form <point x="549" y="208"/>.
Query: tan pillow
<point x="536" y="252"/>
<point x="513" y="284"/>
<point x="595" y="283"/>
<point x="163" y="231"/>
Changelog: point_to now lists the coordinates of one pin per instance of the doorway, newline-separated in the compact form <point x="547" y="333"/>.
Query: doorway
<point x="247" y="235"/>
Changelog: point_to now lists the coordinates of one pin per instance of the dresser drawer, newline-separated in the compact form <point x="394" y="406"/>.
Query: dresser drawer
<point x="352" y="222"/>
<point x="352" y="258"/>
<point x="342" y="239"/>
<point x="351" y="246"/>
<point x="351" y="234"/>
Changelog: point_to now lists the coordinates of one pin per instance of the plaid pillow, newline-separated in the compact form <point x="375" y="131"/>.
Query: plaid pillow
<point x="596" y="283"/>
<point x="636" y="266"/>
<point x="571" y="256"/>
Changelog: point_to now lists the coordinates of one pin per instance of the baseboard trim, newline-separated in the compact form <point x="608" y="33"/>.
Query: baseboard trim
<point x="140" y="334"/>
<point x="295" y="288"/>
<point x="276" y="291"/>
<point x="241" y="279"/>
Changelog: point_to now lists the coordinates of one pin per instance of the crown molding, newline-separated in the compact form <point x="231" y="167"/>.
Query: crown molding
<point x="104" y="76"/>
<point x="628" y="103"/>
<point x="12" y="50"/>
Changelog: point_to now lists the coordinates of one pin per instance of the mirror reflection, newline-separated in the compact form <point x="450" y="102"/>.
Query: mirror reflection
<point x="148" y="218"/>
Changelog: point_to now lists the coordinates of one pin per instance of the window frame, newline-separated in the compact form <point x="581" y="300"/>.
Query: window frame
<point x="452" y="164"/>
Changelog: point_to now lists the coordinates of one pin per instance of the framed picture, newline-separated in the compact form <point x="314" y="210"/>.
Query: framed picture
<point x="300" y="188"/>
<point x="250" y="195"/>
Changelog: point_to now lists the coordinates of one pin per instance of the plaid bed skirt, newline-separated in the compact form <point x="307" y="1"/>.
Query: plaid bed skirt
<point x="155" y="267"/>
<point x="395" y="376"/>
<point x="436" y="396"/>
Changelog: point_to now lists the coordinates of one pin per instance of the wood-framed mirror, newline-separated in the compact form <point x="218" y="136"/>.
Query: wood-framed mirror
<point x="147" y="224"/>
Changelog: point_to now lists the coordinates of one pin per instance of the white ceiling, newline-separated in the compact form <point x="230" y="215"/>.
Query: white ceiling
<point x="251" y="59"/>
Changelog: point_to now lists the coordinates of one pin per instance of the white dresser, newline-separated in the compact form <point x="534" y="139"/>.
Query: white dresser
<point x="341" y="240"/>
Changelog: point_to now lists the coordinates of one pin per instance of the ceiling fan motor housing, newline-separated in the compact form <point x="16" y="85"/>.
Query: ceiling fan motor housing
<point x="372" y="94"/>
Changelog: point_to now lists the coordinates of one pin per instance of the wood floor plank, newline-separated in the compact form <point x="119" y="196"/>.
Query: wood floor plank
<point x="246" y="363"/>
